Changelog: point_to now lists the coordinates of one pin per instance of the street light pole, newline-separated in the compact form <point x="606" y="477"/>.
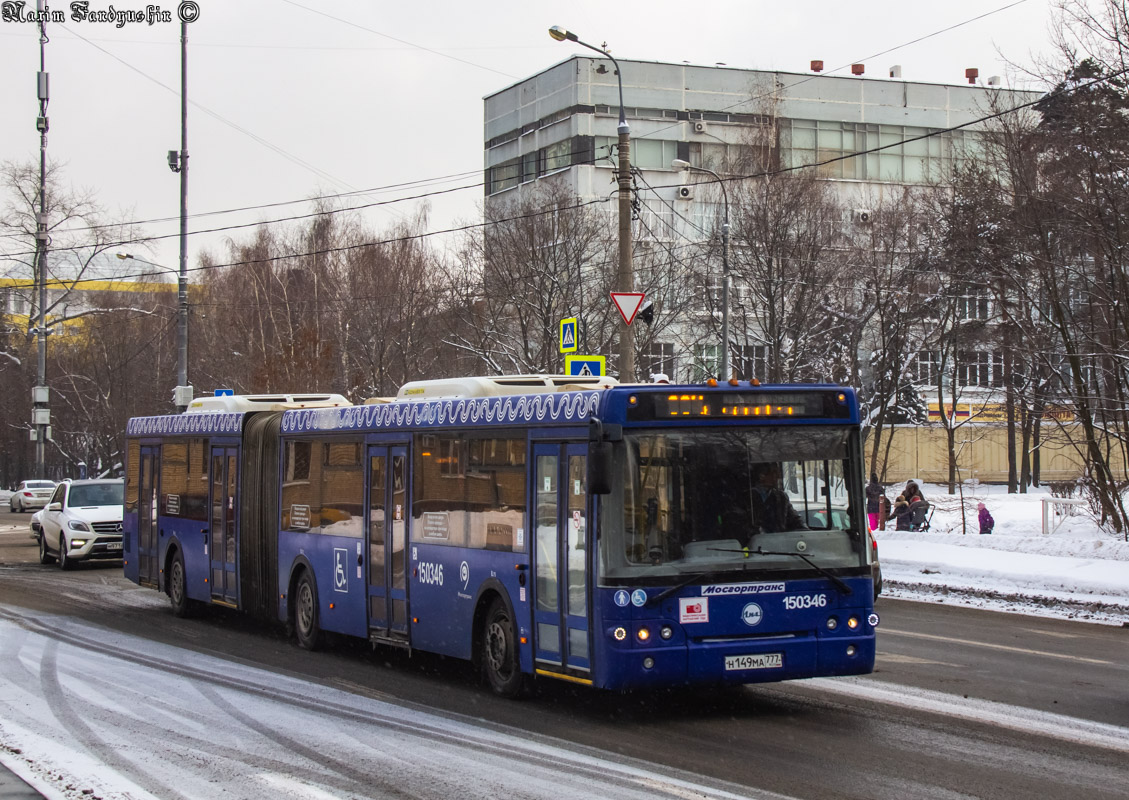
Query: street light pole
<point x="41" y="411"/>
<point x="679" y="164"/>
<point x="625" y="276"/>
<point x="178" y="162"/>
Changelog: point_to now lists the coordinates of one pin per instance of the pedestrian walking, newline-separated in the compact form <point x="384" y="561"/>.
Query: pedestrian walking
<point x="986" y="521"/>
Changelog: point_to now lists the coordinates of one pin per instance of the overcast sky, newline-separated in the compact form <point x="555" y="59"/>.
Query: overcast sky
<point x="290" y="99"/>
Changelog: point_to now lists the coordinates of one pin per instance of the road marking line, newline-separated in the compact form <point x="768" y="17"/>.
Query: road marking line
<point x="991" y="646"/>
<point x="896" y="658"/>
<point x="1017" y="718"/>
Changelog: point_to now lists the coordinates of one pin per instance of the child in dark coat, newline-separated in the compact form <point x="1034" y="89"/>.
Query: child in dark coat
<point x="901" y="514"/>
<point x="986" y="521"/>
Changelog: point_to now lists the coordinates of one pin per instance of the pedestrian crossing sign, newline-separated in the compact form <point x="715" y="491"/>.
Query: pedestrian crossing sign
<point x="584" y="365"/>
<point x="568" y="335"/>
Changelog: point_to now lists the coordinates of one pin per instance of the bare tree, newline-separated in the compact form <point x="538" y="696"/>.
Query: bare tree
<point x="895" y="321"/>
<point x="789" y="261"/>
<point x="82" y="236"/>
<point x="541" y="258"/>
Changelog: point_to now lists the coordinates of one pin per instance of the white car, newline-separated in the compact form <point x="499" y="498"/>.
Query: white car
<point x="30" y="494"/>
<point x="83" y="521"/>
<point x="36" y="524"/>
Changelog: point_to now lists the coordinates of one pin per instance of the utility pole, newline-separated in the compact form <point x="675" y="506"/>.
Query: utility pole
<point x="178" y="162"/>
<point x="41" y="412"/>
<point x="625" y="278"/>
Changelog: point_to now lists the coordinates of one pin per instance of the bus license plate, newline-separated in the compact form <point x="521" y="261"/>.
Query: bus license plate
<point x="759" y="661"/>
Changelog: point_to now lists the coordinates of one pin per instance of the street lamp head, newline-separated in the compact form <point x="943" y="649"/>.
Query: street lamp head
<point x="123" y="256"/>
<point x="560" y="34"/>
<point x="679" y="164"/>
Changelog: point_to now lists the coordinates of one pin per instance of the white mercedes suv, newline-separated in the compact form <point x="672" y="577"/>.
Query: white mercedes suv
<point x="82" y="521"/>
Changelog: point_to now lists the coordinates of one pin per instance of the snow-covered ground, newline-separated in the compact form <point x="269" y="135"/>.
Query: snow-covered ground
<point x="1075" y="570"/>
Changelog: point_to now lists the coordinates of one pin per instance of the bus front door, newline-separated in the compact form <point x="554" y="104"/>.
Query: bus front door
<point x="560" y="562"/>
<point x="225" y="588"/>
<point x="387" y="564"/>
<point x="148" y="545"/>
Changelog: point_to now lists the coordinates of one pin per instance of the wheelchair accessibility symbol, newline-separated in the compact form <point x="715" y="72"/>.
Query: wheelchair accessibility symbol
<point x="340" y="575"/>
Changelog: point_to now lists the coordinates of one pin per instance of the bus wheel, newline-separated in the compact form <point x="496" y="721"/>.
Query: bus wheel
<point x="45" y="556"/>
<point x="178" y="588"/>
<point x="500" y="664"/>
<point x="306" y="626"/>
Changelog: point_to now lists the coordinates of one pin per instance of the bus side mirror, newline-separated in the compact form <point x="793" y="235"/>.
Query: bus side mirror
<point x="600" y="438"/>
<point x="599" y="468"/>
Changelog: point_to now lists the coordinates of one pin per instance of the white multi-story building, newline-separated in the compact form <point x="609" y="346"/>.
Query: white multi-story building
<point x="560" y="125"/>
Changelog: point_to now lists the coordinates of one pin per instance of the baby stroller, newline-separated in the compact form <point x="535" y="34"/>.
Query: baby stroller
<point x="920" y="515"/>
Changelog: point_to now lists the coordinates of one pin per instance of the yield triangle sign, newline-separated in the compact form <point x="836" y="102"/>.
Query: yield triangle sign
<point x="628" y="304"/>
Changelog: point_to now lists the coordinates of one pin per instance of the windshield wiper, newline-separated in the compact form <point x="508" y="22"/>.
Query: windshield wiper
<point x="700" y="577"/>
<point x="835" y="579"/>
<point x="840" y="584"/>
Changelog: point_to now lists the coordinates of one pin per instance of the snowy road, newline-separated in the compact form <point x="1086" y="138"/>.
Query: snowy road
<point x="103" y="691"/>
<point x="81" y="712"/>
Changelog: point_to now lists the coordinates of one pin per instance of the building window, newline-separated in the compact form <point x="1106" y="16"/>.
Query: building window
<point x="645" y="153"/>
<point x="658" y="358"/>
<point x="974" y="304"/>
<point x="530" y="166"/>
<point x="752" y="360"/>
<point x="502" y="176"/>
<point x="558" y="155"/>
<point x="920" y="160"/>
<point x="927" y="368"/>
<point x="551" y="158"/>
<point x="732" y="157"/>
<point x="707" y="362"/>
<point x="980" y="368"/>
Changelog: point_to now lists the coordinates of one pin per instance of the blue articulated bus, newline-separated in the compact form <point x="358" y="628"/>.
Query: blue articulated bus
<point x="618" y="536"/>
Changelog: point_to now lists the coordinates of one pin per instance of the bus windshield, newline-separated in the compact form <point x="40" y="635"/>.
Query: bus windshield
<point x="720" y="500"/>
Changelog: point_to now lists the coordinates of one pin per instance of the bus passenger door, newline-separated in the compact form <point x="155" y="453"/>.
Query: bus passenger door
<point x="148" y="545"/>
<point x="560" y="561"/>
<point x="223" y="473"/>
<point x="387" y="564"/>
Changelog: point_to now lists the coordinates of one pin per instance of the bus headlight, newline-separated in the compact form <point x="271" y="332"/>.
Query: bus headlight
<point x="648" y="663"/>
<point x="851" y="650"/>
<point x="872" y="620"/>
<point x="666" y="632"/>
<point x="853" y="623"/>
<point x="832" y="623"/>
<point x="620" y="633"/>
<point x="643" y="634"/>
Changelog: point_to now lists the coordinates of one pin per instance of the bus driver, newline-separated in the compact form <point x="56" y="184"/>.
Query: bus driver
<point x="772" y="510"/>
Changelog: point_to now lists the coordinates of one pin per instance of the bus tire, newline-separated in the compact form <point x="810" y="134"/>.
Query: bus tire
<point x="501" y="666"/>
<point x="178" y="587"/>
<point x="45" y="556"/>
<point x="306" y="627"/>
